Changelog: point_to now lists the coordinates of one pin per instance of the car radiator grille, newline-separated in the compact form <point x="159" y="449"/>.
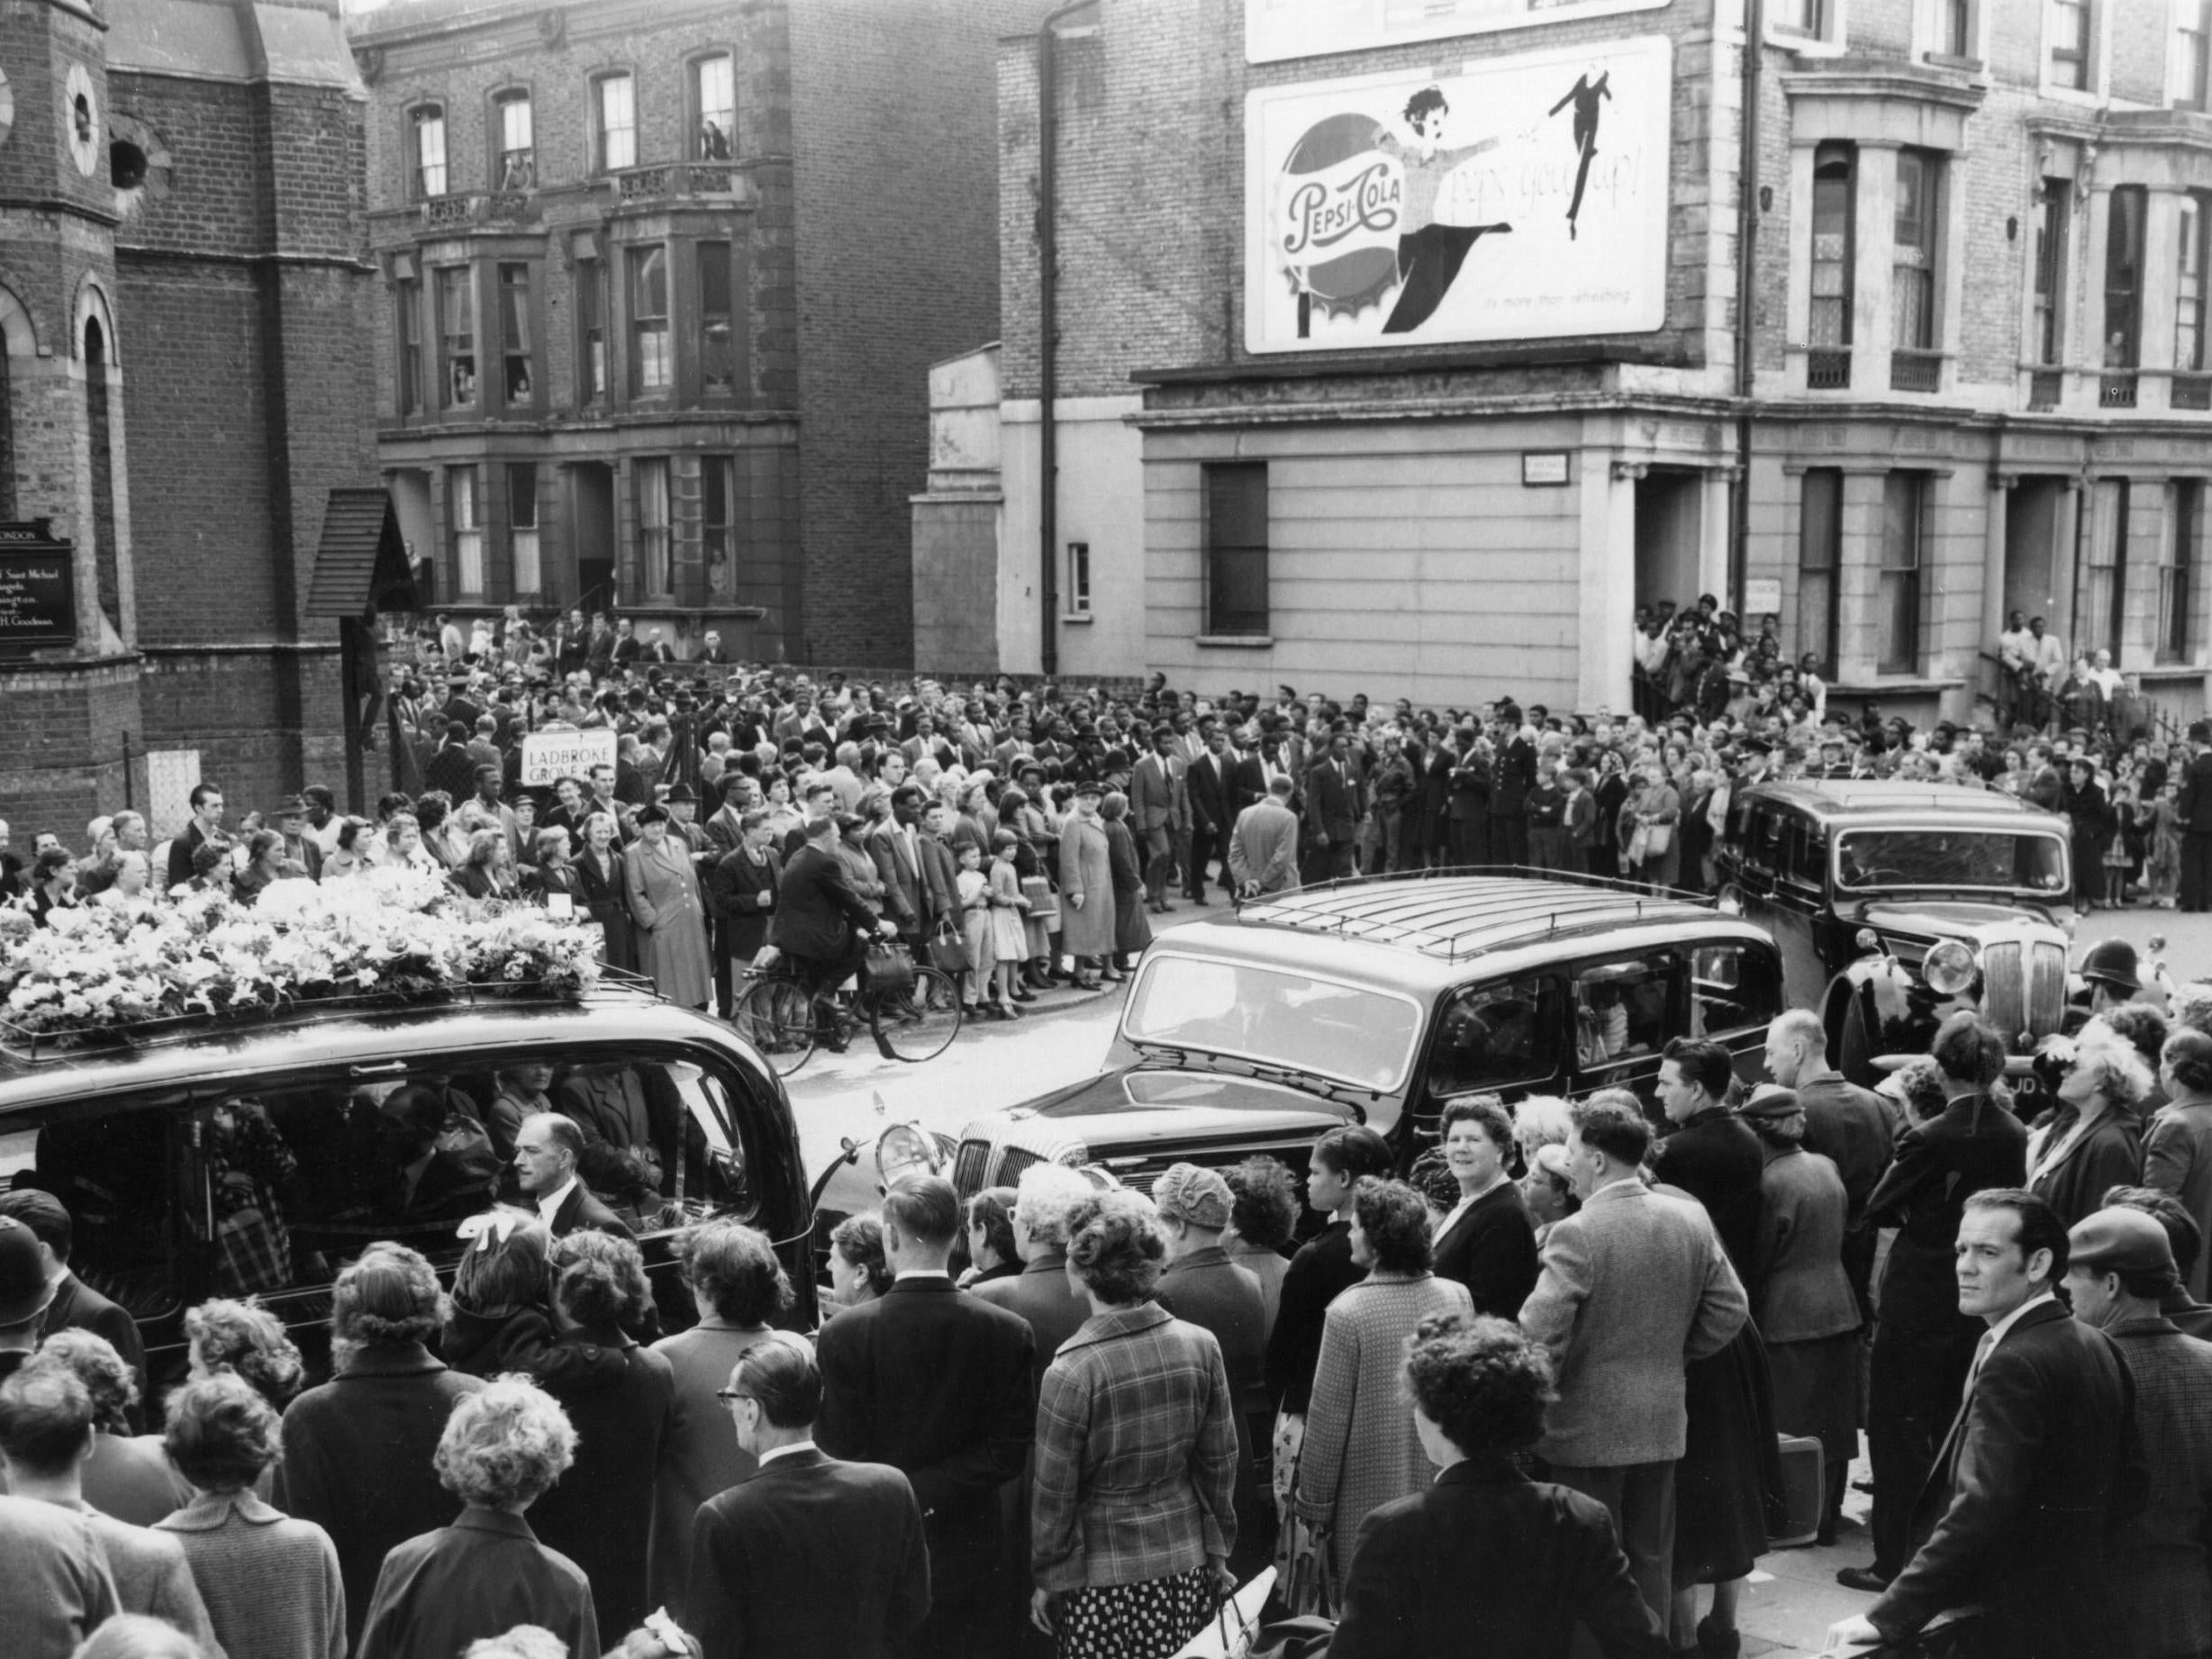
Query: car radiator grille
<point x="2023" y="987"/>
<point x="2046" y="987"/>
<point x="970" y="1166"/>
<point x="1011" y="1165"/>
<point x="2004" y="990"/>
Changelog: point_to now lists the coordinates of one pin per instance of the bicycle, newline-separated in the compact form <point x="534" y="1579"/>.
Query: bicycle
<point x="912" y="1010"/>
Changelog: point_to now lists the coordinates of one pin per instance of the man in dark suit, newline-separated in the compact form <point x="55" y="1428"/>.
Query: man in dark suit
<point x="809" y="1557"/>
<point x="740" y="896"/>
<point x="1711" y="1152"/>
<point x="1512" y="776"/>
<point x="2195" y="807"/>
<point x="1842" y="1122"/>
<point x="205" y="825"/>
<point x="546" y="1149"/>
<point x="1207" y="784"/>
<point x="2040" y="1465"/>
<point x="1923" y="1345"/>
<point x="452" y="768"/>
<point x="821" y="923"/>
<point x="76" y="1306"/>
<point x="938" y="1383"/>
<point x="1333" y="807"/>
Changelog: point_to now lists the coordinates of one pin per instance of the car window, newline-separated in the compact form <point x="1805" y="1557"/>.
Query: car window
<point x="1273" y="1016"/>
<point x="1731" y="987"/>
<point x="1490" y="1036"/>
<point x="1807" y="855"/>
<point x="240" y="1192"/>
<point x="1621" y="1008"/>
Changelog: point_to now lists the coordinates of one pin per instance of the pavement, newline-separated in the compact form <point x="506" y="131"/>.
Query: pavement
<point x="1792" y="1599"/>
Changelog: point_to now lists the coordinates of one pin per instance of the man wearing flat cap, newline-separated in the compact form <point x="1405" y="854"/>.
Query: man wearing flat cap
<point x="2119" y="1267"/>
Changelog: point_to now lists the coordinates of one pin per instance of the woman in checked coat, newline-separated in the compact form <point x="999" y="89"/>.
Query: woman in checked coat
<point x="1361" y="1449"/>
<point x="664" y="898"/>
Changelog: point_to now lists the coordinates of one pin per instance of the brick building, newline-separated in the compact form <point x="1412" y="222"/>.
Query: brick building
<point x="661" y="279"/>
<point x="182" y="306"/>
<point x="1398" y="347"/>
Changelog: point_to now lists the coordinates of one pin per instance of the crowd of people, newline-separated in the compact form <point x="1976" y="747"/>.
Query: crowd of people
<point x="1564" y="1351"/>
<point x="1024" y="837"/>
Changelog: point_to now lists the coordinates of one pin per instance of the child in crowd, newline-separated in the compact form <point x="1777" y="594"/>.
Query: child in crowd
<point x="974" y="890"/>
<point x="1007" y="936"/>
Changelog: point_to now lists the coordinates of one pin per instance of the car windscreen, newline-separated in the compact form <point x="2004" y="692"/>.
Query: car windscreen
<point x="1870" y="860"/>
<point x="1278" y="1017"/>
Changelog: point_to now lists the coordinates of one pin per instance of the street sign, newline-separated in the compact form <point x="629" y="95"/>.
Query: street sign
<point x="548" y="756"/>
<point x="38" y="587"/>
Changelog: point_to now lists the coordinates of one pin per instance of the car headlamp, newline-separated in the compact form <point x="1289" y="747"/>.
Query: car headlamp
<point x="1948" y="969"/>
<point x="903" y="1150"/>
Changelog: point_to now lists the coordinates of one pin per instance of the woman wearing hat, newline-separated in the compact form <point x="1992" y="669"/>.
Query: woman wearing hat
<point x="664" y="899"/>
<point x="1806" y="1310"/>
<point x="1086" y="885"/>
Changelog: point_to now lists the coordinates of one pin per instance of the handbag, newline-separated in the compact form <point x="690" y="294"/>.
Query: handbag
<point x="1044" y="903"/>
<point x="1638" y="848"/>
<point x="948" y="952"/>
<point x="889" y="970"/>
<point x="1658" y="838"/>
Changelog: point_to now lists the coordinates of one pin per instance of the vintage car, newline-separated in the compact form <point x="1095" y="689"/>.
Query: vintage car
<point x="1895" y="904"/>
<point x="251" y="1155"/>
<point x="1377" y="1003"/>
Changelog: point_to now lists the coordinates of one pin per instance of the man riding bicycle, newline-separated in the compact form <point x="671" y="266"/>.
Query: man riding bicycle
<point x="821" y="927"/>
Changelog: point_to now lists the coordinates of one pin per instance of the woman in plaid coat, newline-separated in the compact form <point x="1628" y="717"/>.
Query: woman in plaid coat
<point x="1135" y="1507"/>
<point x="1361" y="1449"/>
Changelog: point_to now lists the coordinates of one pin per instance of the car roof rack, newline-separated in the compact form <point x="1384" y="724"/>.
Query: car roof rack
<point x="1449" y="914"/>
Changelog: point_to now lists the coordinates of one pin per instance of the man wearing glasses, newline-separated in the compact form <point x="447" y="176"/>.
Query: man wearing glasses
<point x="811" y="1556"/>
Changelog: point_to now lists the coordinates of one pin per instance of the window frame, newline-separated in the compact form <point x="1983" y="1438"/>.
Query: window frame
<point x="510" y="349"/>
<point x="2138" y="197"/>
<point x="2192" y="55"/>
<point x="465" y="526"/>
<point x="1829" y="478"/>
<point x="602" y="134"/>
<point x="717" y="475"/>
<point x="594" y="370"/>
<point x="520" y="526"/>
<point x="2101" y="607"/>
<point x="641" y="325"/>
<point x="2178" y="558"/>
<point x="1899" y="591"/>
<point x="1220" y="620"/>
<point x="695" y="145"/>
<point x="2192" y="280"/>
<point x="1927" y="225"/>
<point x="501" y="157"/>
<point x="653" y="510"/>
<point x="2047" y="281"/>
<point x="2084" y="59"/>
<point x="447" y="356"/>
<point x="409" y="386"/>
<point x="1078" y="578"/>
<point x="706" y="350"/>
<point x="1825" y="155"/>
<point x="1546" y="989"/>
<point x="418" y="118"/>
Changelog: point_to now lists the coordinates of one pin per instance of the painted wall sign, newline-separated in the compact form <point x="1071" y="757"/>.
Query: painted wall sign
<point x="1543" y="467"/>
<point x="1523" y="198"/>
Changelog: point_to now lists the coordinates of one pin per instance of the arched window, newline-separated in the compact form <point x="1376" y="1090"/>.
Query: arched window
<point x="107" y="569"/>
<point x="426" y="150"/>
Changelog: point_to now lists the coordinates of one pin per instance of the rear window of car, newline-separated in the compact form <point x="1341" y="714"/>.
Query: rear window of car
<point x="1277" y="1017"/>
<point x="270" y="1189"/>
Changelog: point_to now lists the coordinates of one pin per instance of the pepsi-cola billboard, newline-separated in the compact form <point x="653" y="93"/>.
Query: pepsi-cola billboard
<point x="1522" y="198"/>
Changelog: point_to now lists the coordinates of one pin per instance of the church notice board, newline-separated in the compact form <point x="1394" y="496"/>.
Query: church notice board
<point x="38" y="587"/>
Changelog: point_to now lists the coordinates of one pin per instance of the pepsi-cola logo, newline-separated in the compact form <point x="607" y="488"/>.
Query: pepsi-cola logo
<point x="1363" y="195"/>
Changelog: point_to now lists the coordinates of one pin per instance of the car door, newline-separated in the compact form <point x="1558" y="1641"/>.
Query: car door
<point x="1735" y="993"/>
<point x="1625" y="1007"/>
<point x="1504" y="1037"/>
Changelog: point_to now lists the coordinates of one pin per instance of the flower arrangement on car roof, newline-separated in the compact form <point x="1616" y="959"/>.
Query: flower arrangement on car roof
<point x="392" y="931"/>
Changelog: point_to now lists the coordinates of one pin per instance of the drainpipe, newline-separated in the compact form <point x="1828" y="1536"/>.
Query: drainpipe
<point x="1048" y="343"/>
<point x="1746" y="300"/>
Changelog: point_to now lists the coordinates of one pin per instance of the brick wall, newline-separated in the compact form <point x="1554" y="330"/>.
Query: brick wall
<point x="897" y="267"/>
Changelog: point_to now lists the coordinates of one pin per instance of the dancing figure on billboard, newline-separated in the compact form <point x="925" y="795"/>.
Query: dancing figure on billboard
<point x="1585" y="95"/>
<point x="1429" y="254"/>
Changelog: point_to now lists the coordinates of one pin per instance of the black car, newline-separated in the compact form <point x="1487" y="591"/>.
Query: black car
<point x="245" y="1157"/>
<point x="1895" y="904"/>
<point x="1378" y="1002"/>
